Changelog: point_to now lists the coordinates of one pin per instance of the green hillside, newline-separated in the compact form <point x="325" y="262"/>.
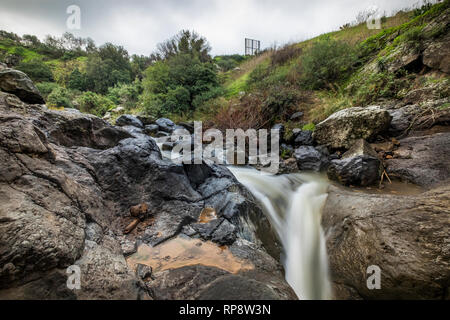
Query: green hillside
<point x="180" y="80"/>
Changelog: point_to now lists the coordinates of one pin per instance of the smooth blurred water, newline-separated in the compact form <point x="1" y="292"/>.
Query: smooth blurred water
<point x="294" y="204"/>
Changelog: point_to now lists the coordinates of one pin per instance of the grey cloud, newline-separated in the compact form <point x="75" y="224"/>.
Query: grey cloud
<point x="140" y="25"/>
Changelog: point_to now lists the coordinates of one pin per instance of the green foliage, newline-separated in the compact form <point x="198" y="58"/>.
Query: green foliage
<point x="172" y="85"/>
<point x="309" y="127"/>
<point x="280" y="100"/>
<point x="77" y="81"/>
<point x="59" y="98"/>
<point x="126" y="95"/>
<point x="229" y="62"/>
<point x="94" y="103"/>
<point x="237" y="86"/>
<point x="36" y="69"/>
<point x="45" y="88"/>
<point x="325" y="62"/>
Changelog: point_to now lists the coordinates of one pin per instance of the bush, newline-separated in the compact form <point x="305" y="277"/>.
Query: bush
<point x="59" y="97"/>
<point x="126" y="95"/>
<point x="37" y="70"/>
<point x="94" y="103"/>
<point x="325" y="62"/>
<point x="45" y="88"/>
<point x="285" y="54"/>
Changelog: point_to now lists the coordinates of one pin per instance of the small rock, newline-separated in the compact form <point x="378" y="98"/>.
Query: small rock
<point x="225" y="234"/>
<point x="143" y="271"/>
<point x="128" y="247"/>
<point x="297" y="116"/>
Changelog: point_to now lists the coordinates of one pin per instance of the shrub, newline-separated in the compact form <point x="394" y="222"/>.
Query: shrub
<point x="59" y="97"/>
<point x="325" y="62"/>
<point x="37" y="70"/>
<point x="94" y="103"/>
<point x="45" y="88"/>
<point x="285" y="54"/>
<point x="126" y="95"/>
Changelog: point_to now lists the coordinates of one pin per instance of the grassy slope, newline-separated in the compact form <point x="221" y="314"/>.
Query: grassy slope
<point x="379" y="44"/>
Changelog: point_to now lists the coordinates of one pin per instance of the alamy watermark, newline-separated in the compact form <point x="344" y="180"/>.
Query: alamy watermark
<point x="73" y="22"/>
<point x="74" y="277"/>
<point x="238" y="147"/>
<point x="374" y="279"/>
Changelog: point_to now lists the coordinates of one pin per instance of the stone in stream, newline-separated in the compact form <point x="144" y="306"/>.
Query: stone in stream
<point x="143" y="271"/>
<point x="359" y="166"/>
<point x="343" y="128"/>
<point x="165" y="125"/>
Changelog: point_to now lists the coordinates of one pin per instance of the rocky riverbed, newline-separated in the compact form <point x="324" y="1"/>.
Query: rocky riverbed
<point x="78" y="191"/>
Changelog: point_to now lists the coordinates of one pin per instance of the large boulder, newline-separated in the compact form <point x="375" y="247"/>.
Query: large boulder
<point x="19" y="84"/>
<point x="129" y="120"/>
<point x="422" y="159"/>
<point x="359" y="166"/>
<point x="343" y="128"/>
<point x="405" y="236"/>
<point x="67" y="183"/>
<point x="165" y="125"/>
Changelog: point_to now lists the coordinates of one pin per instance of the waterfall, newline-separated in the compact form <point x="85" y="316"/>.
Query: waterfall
<point x="294" y="203"/>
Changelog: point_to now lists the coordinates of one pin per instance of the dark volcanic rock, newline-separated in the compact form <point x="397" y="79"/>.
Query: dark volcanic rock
<point x="129" y="120"/>
<point x="151" y="129"/>
<point x="19" y="84"/>
<point x="310" y="159"/>
<point x="165" y="125"/>
<point x="359" y="166"/>
<point x="67" y="183"/>
<point x="303" y="138"/>
<point x="296" y="116"/>
<point x="405" y="236"/>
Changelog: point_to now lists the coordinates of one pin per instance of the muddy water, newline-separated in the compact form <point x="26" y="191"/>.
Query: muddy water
<point x="180" y="252"/>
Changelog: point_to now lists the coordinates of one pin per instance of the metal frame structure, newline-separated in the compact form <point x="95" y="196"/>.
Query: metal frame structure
<point x="252" y="47"/>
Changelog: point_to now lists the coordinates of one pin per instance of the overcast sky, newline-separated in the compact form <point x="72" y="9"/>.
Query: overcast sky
<point x="139" y="25"/>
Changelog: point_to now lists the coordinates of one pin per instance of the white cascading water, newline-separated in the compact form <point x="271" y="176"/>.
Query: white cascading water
<point x="294" y="204"/>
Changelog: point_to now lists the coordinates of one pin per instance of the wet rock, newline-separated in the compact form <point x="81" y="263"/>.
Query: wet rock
<point x="359" y="166"/>
<point x="18" y="83"/>
<point x="302" y="138"/>
<point x="422" y="160"/>
<point x="151" y="129"/>
<point x="129" y="120"/>
<point x="288" y="166"/>
<point x="224" y="234"/>
<point x="189" y="126"/>
<point x="168" y="146"/>
<point x="143" y="271"/>
<point x="165" y="125"/>
<point x="161" y="134"/>
<point x="344" y="127"/>
<point x="310" y="159"/>
<point x="405" y="236"/>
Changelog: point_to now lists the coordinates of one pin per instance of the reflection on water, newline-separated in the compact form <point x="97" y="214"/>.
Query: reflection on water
<point x="180" y="252"/>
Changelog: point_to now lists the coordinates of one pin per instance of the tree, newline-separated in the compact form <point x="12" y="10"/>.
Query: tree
<point x="37" y="70"/>
<point x="185" y="42"/>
